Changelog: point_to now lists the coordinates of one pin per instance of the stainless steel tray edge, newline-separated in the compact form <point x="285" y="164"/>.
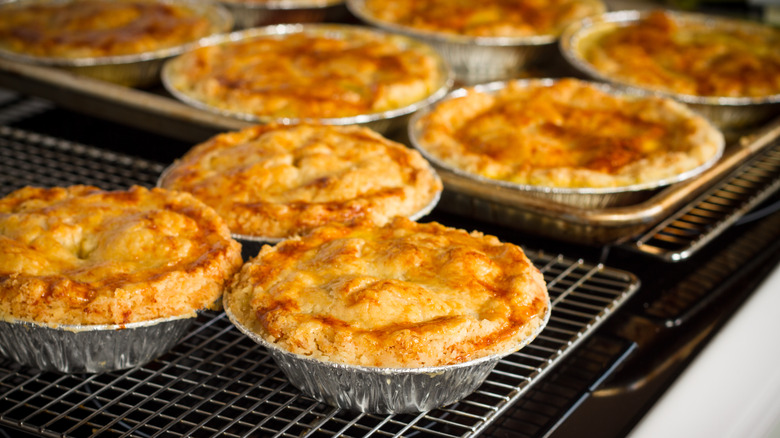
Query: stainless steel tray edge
<point x="131" y="106"/>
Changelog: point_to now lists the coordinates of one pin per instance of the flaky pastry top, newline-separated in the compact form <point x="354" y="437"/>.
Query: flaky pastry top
<point x="405" y="294"/>
<point x="291" y="5"/>
<point x="676" y="54"/>
<point x="278" y="180"/>
<point x="79" y="255"/>
<point x="484" y="18"/>
<point x="99" y="28"/>
<point x="568" y="133"/>
<point x="308" y="74"/>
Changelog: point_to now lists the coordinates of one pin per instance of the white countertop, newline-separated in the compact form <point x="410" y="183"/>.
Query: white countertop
<point x="732" y="388"/>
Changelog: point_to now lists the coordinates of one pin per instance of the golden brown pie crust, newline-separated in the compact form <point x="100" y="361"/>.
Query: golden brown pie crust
<point x="661" y="52"/>
<point x="483" y="18"/>
<point x="278" y="180"/>
<point x="290" y="5"/>
<point x="567" y="134"/>
<point x="82" y="256"/>
<point x="403" y="295"/>
<point x="311" y="74"/>
<point x="97" y="28"/>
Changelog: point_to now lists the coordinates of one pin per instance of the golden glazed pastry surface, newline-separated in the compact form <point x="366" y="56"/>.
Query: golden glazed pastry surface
<point x="289" y="4"/>
<point x="667" y="54"/>
<point x="82" y="256"/>
<point x="312" y="74"/>
<point x="277" y="180"/>
<point x="567" y="134"/>
<point x="403" y="295"/>
<point x="98" y="28"/>
<point x="484" y="18"/>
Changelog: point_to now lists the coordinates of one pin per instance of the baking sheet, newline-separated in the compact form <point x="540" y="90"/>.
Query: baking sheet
<point x="147" y="109"/>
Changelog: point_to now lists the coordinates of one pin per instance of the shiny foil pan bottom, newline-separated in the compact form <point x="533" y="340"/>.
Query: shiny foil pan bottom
<point x="248" y="13"/>
<point x="382" y="390"/>
<point x="479" y="63"/>
<point x="90" y="349"/>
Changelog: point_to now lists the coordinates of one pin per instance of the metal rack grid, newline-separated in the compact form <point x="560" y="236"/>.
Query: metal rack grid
<point x="32" y="159"/>
<point x="216" y="381"/>
<point x="696" y="224"/>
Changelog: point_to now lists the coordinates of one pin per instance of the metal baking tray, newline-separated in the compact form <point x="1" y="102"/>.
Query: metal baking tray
<point x="146" y="109"/>
<point x="218" y="382"/>
<point x="157" y="112"/>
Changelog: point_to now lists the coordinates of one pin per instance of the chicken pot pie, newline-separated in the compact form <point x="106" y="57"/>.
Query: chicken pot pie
<point x="86" y="29"/>
<point x="335" y="73"/>
<point x="402" y="295"/>
<point x="567" y="134"/>
<point x="83" y="256"/>
<point x="275" y="180"/>
<point x="687" y="54"/>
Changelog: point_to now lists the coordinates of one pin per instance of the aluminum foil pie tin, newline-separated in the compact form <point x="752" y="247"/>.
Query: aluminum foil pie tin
<point x="256" y="13"/>
<point x="582" y="197"/>
<point x="728" y="113"/>
<point x="381" y="390"/>
<point x="87" y="348"/>
<point x="479" y="59"/>
<point x="382" y="122"/>
<point x="135" y="70"/>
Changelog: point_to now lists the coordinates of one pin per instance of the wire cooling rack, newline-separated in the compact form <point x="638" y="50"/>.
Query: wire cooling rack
<point x="217" y="382"/>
